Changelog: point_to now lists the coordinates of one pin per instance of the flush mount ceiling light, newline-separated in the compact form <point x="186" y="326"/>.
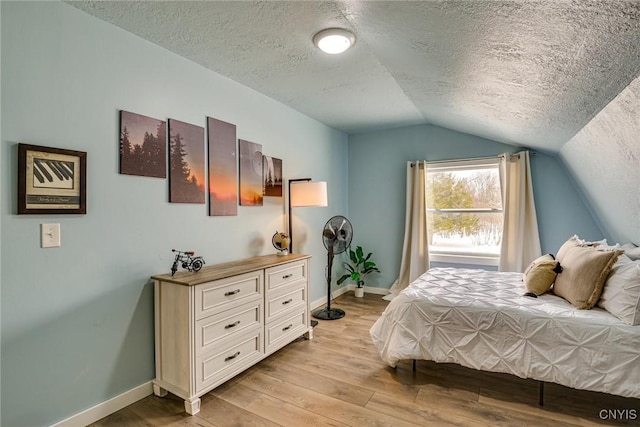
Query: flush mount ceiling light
<point x="334" y="40"/>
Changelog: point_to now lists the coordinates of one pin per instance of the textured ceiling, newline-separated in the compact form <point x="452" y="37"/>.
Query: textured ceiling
<point x="526" y="73"/>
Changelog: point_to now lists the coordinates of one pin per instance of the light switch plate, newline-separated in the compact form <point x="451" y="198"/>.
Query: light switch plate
<point x="49" y="235"/>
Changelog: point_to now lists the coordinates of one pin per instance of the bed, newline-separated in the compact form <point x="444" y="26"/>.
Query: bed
<point x="482" y="320"/>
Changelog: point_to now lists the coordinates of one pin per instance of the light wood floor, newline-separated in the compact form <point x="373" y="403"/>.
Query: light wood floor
<point x="337" y="379"/>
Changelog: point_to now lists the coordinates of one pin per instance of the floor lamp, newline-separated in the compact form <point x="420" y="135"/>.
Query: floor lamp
<point x="305" y="193"/>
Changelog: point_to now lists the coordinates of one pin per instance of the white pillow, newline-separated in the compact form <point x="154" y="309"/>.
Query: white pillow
<point x="632" y="251"/>
<point x="607" y="247"/>
<point x="621" y="293"/>
<point x="581" y="242"/>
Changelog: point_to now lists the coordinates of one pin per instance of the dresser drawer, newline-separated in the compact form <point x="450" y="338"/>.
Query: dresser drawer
<point x="210" y="330"/>
<point x="285" y="329"/>
<point x="214" y="297"/>
<point x="283" y="275"/>
<point x="236" y="356"/>
<point x="277" y="305"/>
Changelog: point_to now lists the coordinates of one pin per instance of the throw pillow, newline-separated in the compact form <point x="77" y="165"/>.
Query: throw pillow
<point x="577" y="241"/>
<point x="584" y="271"/>
<point x="632" y="251"/>
<point x="621" y="293"/>
<point x="541" y="273"/>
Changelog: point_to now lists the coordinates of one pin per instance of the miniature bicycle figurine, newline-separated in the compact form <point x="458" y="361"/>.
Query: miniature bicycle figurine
<point x="187" y="260"/>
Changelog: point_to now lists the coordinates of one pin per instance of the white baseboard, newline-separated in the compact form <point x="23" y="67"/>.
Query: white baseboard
<point x="108" y="407"/>
<point x="376" y="291"/>
<point x="321" y="302"/>
<point x="343" y="290"/>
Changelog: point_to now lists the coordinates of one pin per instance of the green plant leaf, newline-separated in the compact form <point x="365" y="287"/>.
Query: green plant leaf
<point x="342" y="279"/>
<point x="352" y="255"/>
<point x="349" y="267"/>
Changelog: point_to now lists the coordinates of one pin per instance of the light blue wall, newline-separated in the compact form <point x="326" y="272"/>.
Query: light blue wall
<point x="77" y="321"/>
<point x="377" y="180"/>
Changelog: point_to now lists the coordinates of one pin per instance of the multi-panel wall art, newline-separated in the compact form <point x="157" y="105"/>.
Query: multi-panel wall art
<point x="238" y="172"/>
<point x="186" y="163"/>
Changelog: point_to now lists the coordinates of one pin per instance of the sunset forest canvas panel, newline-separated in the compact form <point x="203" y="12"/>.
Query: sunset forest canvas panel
<point x="223" y="168"/>
<point x="143" y="145"/>
<point x="250" y="173"/>
<point x="186" y="163"/>
<point x="272" y="176"/>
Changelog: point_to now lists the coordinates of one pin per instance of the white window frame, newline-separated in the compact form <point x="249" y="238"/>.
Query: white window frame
<point x="454" y="166"/>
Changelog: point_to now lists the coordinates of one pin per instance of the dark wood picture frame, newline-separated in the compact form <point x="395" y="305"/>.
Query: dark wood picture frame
<point x="51" y="180"/>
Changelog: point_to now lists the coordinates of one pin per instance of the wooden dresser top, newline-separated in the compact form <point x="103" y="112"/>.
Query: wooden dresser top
<point x="228" y="269"/>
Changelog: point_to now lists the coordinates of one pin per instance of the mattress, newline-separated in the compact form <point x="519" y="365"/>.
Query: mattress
<point x="480" y="319"/>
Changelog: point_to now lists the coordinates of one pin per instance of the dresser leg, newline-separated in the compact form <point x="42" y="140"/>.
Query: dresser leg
<point x="309" y="334"/>
<point x="192" y="406"/>
<point x="159" y="391"/>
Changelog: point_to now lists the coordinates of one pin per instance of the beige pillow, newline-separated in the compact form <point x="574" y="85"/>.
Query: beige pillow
<point x="584" y="271"/>
<point x="577" y="241"/>
<point x="571" y="243"/>
<point x="539" y="276"/>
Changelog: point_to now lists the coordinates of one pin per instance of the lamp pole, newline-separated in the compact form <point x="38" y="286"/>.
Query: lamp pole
<point x="290" y="223"/>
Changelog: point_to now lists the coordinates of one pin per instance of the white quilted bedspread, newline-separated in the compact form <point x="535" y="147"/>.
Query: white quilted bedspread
<point x="480" y="319"/>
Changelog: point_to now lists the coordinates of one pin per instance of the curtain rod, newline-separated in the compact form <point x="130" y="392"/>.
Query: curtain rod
<point x="432" y="162"/>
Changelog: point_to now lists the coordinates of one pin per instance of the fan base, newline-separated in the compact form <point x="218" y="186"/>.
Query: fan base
<point x="329" y="314"/>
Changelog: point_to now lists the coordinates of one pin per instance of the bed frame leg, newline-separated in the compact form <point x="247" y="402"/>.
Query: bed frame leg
<point x="414" y="365"/>
<point x="541" y="393"/>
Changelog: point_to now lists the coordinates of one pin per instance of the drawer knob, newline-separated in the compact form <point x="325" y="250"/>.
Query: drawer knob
<point x="226" y="359"/>
<point x="232" y="325"/>
<point x="286" y="328"/>
<point x="287" y="301"/>
<point x="286" y="276"/>
<point x="227" y="294"/>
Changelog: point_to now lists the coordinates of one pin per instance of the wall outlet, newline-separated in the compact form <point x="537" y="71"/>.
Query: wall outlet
<point x="49" y="235"/>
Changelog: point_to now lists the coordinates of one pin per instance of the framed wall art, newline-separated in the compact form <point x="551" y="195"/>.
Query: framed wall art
<point x="51" y="180"/>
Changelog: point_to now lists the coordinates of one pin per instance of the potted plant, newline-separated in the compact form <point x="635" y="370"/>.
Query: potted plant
<point x="357" y="269"/>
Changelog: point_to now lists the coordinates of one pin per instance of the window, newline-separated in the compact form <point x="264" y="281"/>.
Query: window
<point x="464" y="211"/>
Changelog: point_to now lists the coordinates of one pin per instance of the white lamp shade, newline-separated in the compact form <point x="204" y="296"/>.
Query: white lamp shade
<point x="308" y="193"/>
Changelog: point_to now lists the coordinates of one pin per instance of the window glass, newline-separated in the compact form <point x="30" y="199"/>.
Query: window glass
<point x="464" y="209"/>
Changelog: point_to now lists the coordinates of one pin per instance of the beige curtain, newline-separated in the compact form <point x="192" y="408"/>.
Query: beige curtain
<point x="415" y="250"/>
<point x="520" y="238"/>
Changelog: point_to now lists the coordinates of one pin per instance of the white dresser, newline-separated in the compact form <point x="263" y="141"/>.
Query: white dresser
<point x="214" y="324"/>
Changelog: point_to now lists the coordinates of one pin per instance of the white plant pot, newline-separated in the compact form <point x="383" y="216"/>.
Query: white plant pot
<point x="359" y="292"/>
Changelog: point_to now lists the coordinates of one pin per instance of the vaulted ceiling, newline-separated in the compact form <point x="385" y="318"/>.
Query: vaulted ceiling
<point x="529" y="73"/>
<point x="555" y="75"/>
